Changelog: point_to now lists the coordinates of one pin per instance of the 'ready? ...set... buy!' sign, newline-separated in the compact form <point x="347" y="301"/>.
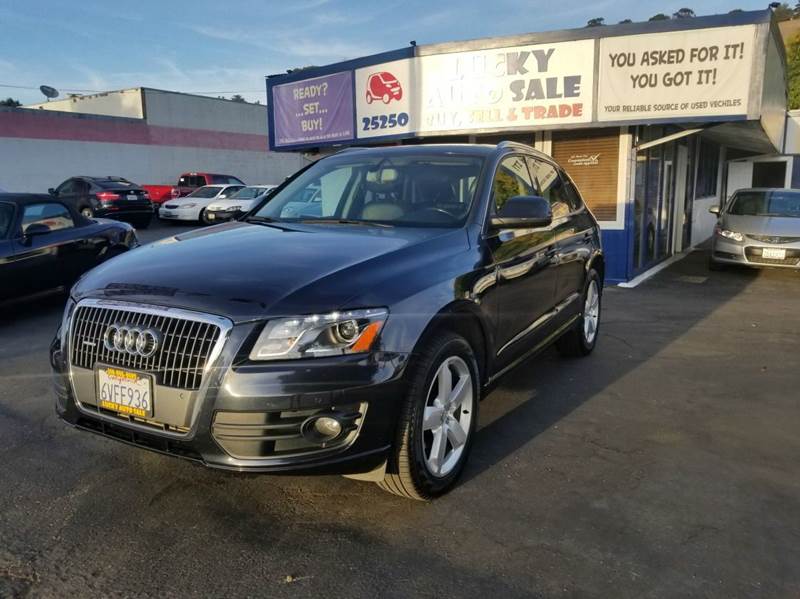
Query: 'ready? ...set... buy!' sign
<point x="501" y="88"/>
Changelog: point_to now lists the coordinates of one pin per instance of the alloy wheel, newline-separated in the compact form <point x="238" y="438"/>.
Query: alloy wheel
<point x="447" y="419"/>
<point x="591" y="312"/>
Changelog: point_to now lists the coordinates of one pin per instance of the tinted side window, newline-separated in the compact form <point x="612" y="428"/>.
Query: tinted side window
<point x="67" y="187"/>
<point x="6" y="219"/>
<point x="511" y="179"/>
<point x="53" y="215"/>
<point x="573" y="197"/>
<point x="553" y="187"/>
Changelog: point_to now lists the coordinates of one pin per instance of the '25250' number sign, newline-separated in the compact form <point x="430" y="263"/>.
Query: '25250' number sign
<point x="384" y="121"/>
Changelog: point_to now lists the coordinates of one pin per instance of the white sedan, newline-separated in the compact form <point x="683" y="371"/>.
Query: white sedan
<point x="237" y="204"/>
<point x="193" y="207"/>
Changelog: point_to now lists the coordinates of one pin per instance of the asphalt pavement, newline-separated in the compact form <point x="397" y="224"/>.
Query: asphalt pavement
<point x="667" y="464"/>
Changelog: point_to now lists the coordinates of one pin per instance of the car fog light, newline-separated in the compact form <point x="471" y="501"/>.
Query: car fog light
<point x="322" y="429"/>
<point x="327" y="427"/>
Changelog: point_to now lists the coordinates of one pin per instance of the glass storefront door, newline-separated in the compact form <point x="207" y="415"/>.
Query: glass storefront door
<point x="658" y="222"/>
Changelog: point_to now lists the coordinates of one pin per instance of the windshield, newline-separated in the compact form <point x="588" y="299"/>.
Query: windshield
<point x="248" y="193"/>
<point x="782" y="203"/>
<point x="205" y="192"/>
<point x="423" y="189"/>
<point x="114" y="183"/>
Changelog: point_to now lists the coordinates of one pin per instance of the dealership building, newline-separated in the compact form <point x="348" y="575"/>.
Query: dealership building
<point x="655" y="122"/>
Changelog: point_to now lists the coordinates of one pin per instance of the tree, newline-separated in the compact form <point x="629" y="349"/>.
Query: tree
<point x="238" y="98"/>
<point x="10" y="102"/>
<point x="596" y="22"/>
<point x="781" y="12"/>
<point x="625" y="21"/>
<point x="659" y="17"/>
<point x="793" y="72"/>
<point x="684" y="13"/>
<point x="735" y="11"/>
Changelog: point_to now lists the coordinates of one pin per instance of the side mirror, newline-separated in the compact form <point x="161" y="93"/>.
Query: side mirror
<point x="714" y="210"/>
<point x="523" y="212"/>
<point x="52" y="192"/>
<point x="34" y="230"/>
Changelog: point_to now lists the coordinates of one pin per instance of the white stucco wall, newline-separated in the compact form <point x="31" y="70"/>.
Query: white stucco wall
<point x="38" y="164"/>
<point x="171" y="109"/>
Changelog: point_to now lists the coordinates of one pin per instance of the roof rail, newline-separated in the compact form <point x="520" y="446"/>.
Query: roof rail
<point x="513" y="144"/>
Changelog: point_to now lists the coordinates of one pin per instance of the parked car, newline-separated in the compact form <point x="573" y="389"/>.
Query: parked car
<point x="237" y="204"/>
<point x="193" y="207"/>
<point x="356" y="342"/>
<point x="107" y="197"/>
<point x="46" y="243"/>
<point x="758" y="227"/>
<point x="187" y="183"/>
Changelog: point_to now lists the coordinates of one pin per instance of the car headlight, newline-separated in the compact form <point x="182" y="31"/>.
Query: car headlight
<point x="728" y="234"/>
<point x="190" y="205"/>
<point x="318" y="335"/>
<point x="232" y="208"/>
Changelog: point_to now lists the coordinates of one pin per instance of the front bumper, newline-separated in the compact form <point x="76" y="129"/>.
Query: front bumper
<point x="178" y="214"/>
<point x="241" y="408"/>
<point x="750" y="253"/>
<point x="223" y="215"/>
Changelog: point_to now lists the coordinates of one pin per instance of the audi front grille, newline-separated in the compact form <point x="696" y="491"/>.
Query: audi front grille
<point x="185" y="344"/>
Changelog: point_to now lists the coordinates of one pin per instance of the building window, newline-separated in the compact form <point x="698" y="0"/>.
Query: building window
<point x="591" y="158"/>
<point x="707" y="169"/>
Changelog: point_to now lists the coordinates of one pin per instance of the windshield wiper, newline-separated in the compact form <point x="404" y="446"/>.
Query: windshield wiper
<point x="267" y="222"/>
<point x="343" y="221"/>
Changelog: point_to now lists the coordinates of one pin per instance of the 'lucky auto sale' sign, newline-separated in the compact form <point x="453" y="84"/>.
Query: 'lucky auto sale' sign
<point x="522" y="86"/>
<point x="314" y="110"/>
<point x="681" y="74"/>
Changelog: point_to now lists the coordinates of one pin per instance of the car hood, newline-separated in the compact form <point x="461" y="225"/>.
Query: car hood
<point x="248" y="271"/>
<point x="763" y="225"/>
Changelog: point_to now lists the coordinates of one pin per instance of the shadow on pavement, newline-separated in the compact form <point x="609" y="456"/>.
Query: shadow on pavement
<point x="636" y="325"/>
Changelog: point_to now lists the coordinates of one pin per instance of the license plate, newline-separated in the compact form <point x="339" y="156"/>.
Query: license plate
<point x="166" y="213"/>
<point x="133" y="196"/>
<point x="125" y="392"/>
<point x="773" y="254"/>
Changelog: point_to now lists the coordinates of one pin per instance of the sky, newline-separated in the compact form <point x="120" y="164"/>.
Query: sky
<point x="222" y="47"/>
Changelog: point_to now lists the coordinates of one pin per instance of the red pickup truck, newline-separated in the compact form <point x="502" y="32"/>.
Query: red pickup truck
<point x="187" y="183"/>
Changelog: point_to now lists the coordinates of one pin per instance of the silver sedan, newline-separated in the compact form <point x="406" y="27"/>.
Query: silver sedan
<point x="758" y="227"/>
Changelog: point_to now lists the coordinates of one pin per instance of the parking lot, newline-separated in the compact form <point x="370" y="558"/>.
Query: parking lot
<point x="666" y="464"/>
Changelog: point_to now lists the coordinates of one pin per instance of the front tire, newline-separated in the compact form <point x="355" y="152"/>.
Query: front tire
<point x="581" y="339"/>
<point x="203" y="218"/>
<point x="437" y="420"/>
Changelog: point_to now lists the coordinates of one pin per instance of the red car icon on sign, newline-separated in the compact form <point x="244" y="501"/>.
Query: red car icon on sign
<point x="383" y="86"/>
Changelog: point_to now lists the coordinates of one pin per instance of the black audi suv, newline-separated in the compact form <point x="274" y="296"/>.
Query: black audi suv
<point x="355" y="339"/>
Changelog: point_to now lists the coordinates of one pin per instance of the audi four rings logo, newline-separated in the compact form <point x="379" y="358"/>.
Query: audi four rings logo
<point x="131" y="339"/>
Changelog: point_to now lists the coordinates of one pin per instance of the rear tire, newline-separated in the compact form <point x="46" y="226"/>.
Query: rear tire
<point x="581" y="339"/>
<point x="437" y="420"/>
